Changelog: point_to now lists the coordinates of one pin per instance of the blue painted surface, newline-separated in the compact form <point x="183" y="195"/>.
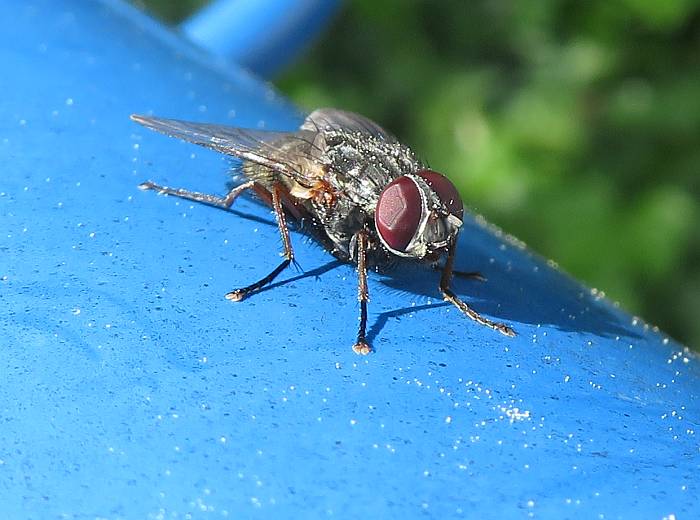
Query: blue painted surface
<point x="260" y="35"/>
<point x="132" y="389"/>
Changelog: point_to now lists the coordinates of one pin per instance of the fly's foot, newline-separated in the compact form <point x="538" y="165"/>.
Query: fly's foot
<point x="362" y="348"/>
<point x="148" y="185"/>
<point x="236" y="296"/>
<point x="505" y="330"/>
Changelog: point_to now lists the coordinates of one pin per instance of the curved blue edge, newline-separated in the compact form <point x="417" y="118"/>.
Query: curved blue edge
<point x="260" y="35"/>
<point x="133" y="389"/>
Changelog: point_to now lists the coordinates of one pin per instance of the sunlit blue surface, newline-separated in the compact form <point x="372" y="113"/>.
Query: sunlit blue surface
<point x="132" y="389"/>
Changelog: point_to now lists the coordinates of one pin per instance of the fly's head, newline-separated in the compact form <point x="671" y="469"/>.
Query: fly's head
<point x="419" y="215"/>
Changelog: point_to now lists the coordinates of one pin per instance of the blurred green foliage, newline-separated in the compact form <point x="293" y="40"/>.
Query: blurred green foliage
<point x="573" y="125"/>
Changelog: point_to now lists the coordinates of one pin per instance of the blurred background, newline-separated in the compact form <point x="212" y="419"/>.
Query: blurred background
<point x="574" y="126"/>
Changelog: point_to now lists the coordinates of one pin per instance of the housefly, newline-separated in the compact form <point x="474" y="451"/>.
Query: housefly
<point x="362" y="194"/>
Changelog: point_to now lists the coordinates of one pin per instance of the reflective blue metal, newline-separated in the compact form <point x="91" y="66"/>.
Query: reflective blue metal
<point x="260" y="35"/>
<point x="130" y="388"/>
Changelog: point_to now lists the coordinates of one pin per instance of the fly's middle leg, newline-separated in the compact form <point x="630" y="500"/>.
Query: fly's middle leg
<point x="288" y="253"/>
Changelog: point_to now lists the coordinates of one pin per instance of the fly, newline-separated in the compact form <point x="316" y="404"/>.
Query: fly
<point x="363" y="195"/>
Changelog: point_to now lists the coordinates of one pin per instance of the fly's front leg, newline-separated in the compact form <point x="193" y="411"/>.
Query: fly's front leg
<point x="361" y="346"/>
<point x="204" y="198"/>
<point x="239" y="294"/>
<point x="451" y="297"/>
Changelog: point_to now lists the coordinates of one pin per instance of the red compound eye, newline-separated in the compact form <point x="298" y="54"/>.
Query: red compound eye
<point x="398" y="213"/>
<point x="445" y="190"/>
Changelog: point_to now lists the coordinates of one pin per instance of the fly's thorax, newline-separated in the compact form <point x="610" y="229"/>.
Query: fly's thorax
<point x="419" y="215"/>
<point x="360" y="166"/>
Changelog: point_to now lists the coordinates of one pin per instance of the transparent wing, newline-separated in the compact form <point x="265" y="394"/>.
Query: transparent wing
<point x="259" y="146"/>
<point x="331" y="119"/>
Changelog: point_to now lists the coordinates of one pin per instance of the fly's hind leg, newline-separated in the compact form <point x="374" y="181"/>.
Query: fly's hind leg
<point x="288" y="253"/>
<point x="204" y="198"/>
<point x="451" y="297"/>
<point x="225" y="202"/>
